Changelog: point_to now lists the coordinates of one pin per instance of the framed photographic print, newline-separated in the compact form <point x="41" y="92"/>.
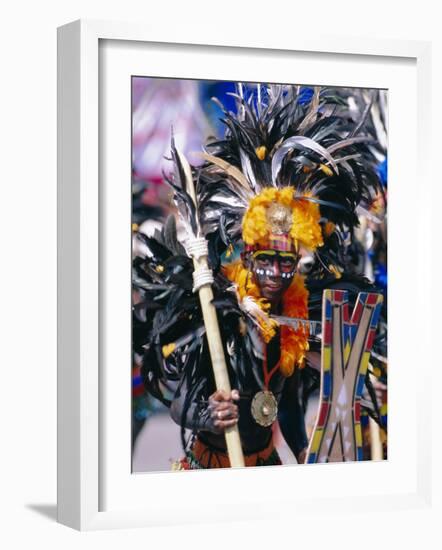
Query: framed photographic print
<point x="223" y="297"/>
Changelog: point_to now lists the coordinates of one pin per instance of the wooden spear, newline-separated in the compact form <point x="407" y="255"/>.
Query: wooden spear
<point x="219" y="366"/>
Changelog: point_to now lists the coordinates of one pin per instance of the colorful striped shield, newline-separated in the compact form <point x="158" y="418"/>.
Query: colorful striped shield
<point x="346" y="345"/>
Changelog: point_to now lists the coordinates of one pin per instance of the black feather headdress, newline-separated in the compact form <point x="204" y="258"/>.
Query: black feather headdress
<point x="279" y="137"/>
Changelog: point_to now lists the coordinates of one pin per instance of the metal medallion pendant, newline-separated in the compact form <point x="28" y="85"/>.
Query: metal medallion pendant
<point x="264" y="408"/>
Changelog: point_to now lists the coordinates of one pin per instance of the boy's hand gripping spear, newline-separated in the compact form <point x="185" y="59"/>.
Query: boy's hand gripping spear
<point x="203" y="279"/>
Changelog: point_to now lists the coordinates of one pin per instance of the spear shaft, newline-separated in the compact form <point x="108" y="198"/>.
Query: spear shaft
<point x="222" y="382"/>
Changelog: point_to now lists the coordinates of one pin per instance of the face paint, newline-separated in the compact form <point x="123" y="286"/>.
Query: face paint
<point x="274" y="272"/>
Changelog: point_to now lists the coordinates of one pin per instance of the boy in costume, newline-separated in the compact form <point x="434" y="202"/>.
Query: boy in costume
<point x="285" y="183"/>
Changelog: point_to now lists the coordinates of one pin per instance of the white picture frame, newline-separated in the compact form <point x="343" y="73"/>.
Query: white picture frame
<point x="83" y="450"/>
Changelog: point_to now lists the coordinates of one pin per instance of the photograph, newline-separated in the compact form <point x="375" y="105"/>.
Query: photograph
<point x="259" y="274"/>
<point x="221" y="230"/>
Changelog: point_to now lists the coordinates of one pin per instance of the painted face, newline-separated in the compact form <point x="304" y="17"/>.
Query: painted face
<point x="274" y="272"/>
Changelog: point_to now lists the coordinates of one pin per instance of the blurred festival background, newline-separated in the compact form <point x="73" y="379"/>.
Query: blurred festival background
<point x="187" y="107"/>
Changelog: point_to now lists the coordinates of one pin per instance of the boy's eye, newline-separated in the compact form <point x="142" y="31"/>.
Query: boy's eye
<point x="287" y="263"/>
<point x="264" y="263"/>
<point x="264" y="259"/>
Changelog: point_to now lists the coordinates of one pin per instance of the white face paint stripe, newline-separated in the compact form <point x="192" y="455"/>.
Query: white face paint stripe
<point x="271" y="272"/>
